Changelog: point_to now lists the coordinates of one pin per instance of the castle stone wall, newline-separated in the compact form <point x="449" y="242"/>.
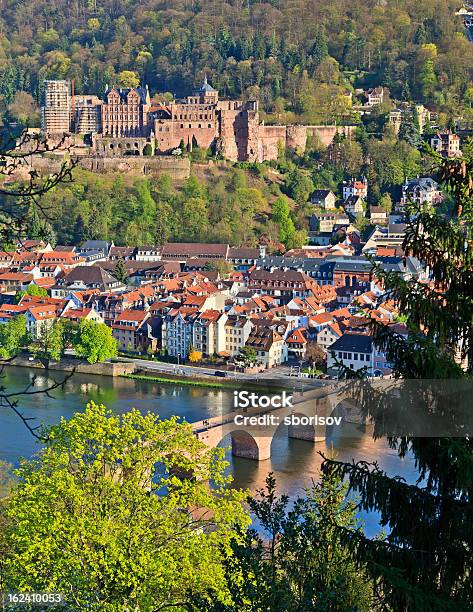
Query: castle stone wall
<point x="177" y="167"/>
<point x="270" y="138"/>
<point x="232" y="135"/>
<point x="169" y="134"/>
<point x="296" y="137"/>
<point x="326" y="133"/>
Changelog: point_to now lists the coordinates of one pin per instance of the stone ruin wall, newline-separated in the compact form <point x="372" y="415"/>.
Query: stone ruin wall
<point x="326" y="133"/>
<point x="171" y="135"/>
<point x="271" y="137"/>
<point x="177" y="167"/>
<point x="233" y="135"/>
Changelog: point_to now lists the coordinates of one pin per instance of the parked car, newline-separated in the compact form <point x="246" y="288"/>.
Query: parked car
<point x="220" y="373"/>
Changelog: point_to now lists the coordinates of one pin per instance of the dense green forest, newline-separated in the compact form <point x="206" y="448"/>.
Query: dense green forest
<point x="299" y="57"/>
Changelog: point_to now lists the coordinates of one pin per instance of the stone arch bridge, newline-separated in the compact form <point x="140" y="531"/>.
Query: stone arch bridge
<point x="252" y="431"/>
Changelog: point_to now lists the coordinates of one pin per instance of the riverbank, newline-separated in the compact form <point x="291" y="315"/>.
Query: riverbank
<point x="132" y="370"/>
<point x="72" y="364"/>
<point x="232" y="383"/>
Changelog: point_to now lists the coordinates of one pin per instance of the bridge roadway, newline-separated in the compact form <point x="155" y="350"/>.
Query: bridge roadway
<point x="254" y="441"/>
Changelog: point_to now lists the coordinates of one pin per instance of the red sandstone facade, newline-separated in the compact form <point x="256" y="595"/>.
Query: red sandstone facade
<point x="125" y="112"/>
<point x="233" y="128"/>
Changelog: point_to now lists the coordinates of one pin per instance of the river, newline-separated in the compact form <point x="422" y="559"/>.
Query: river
<point x="295" y="463"/>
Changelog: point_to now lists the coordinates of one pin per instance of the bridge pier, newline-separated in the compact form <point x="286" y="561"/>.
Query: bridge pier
<point x="306" y="432"/>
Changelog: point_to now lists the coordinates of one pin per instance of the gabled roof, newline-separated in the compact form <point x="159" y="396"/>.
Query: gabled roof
<point x="143" y="93"/>
<point x="132" y="315"/>
<point x="353" y="200"/>
<point x="45" y="311"/>
<point x="77" y="313"/>
<point x="90" y="275"/>
<point x="321" y="194"/>
<point x="95" y="245"/>
<point x="297" y="337"/>
<point x="263" y="338"/>
<point x="243" y="253"/>
<point x="321" y="319"/>
<point x="209" y="316"/>
<point x="19" y="277"/>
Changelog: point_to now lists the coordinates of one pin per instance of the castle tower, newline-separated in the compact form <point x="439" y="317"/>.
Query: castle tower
<point x="56" y="112"/>
<point x="207" y="94"/>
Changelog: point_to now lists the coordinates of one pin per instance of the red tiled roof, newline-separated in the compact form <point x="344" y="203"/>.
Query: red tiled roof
<point x="132" y="315"/>
<point x="297" y="337"/>
<point x="45" y="311"/>
<point x="210" y="315"/>
<point x="323" y="317"/>
<point x="16" y="276"/>
<point x="77" y="313"/>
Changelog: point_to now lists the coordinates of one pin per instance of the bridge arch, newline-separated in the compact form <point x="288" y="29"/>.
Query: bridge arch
<point x="248" y="446"/>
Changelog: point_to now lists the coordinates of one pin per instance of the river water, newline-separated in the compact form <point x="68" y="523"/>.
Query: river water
<point x="295" y="463"/>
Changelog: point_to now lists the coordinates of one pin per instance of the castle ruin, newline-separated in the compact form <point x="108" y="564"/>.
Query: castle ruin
<point x="126" y="120"/>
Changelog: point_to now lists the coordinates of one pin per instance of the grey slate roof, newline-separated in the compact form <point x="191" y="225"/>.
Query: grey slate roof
<point x="90" y="276"/>
<point x="95" y="245"/>
<point x="354" y="343"/>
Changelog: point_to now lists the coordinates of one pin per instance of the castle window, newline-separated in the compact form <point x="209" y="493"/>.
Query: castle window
<point x="210" y="125"/>
<point x="200" y="125"/>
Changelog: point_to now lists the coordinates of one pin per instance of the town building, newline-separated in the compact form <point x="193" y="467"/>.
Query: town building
<point x="269" y="345"/>
<point x="421" y="113"/>
<point x="297" y="344"/>
<point x="329" y="334"/>
<point x="208" y="333"/>
<point x="87" y="277"/>
<point x="326" y="221"/>
<point x="325" y="198"/>
<point x="374" y="96"/>
<point x="237" y="332"/>
<point x="177" y="331"/>
<point x="354" y="205"/>
<point x="357" y="188"/>
<point x="131" y="331"/>
<point x="378" y="214"/>
<point x="446" y="143"/>
<point x="87" y="117"/>
<point x="353" y="351"/>
<point x="125" y="112"/>
<point x="421" y="190"/>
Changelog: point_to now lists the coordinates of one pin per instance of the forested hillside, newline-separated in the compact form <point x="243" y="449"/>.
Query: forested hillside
<point x="298" y="56"/>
